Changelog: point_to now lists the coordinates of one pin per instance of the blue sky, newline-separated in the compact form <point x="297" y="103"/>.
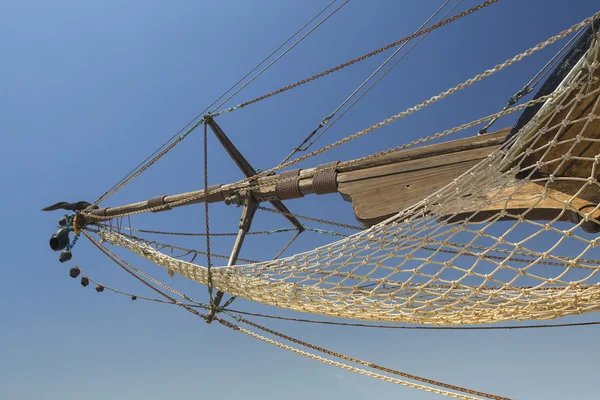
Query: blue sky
<point x="89" y="89"/>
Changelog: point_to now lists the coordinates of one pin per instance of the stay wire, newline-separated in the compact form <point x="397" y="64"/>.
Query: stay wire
<point x="368" y="55"/>
<point x="286" y="51"/>
<point x="417" y="327"/>
<point x="533" y="82"/>
<point x="349" y="324"/>
<point x="326" y="120"/>
<point x="372" y="365"/>
<point x="206" y="217"/>
<point x="126" y="179"/>
<point x="130" y="177"/>
<point x="329" y="126"/>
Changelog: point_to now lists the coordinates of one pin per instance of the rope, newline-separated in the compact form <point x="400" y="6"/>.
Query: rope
<point x="206" y="217"/>
<point x="371" y="54"/>
<point x="127" y="268"/>
<point x="228" y="324"/>
<point x="125" y="265"/>
<point x="137" y="171"/>
<point x="128" y="178"/>
<point x="372" y="365"/>
<point x="394" y="118"/>
<point x="280" y="230"/>
<point x="287" y="245"/>
<point x="341" y="365"/>
<point x="252" y="184"/>
<point x="326" y="120"/>
<point x="533" y="82"/>
<point x="330" y="125"/>
<point x="321" y="221"/>
<point x="436" y="98"/>
<point x="418" y="327"/>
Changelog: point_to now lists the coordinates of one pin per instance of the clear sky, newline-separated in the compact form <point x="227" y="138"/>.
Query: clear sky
<point x="89" y="89"/>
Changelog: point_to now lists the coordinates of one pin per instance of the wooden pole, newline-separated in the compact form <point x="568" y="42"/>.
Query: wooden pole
<point x="250" y="207"/>
<point x="247" y="169"/>
<point x="266" y="191"/>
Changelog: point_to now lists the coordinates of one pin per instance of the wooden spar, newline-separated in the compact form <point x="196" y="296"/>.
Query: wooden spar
<point x="247" y="169"/>
<point x="381" y="187"/>
<point x="267" y="185"/>
<point x="250" y="207"/>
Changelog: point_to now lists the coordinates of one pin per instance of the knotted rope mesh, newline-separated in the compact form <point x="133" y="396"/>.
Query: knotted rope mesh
<point x="508" y="240"/>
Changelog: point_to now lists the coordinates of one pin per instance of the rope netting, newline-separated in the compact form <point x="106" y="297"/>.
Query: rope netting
<point x="508" y="240"/>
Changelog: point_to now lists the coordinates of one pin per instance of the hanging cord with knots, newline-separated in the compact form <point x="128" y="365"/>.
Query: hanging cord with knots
<point x="533" y="82"/>
<point x="325" y="121"/>
<point x="197" y="120"/>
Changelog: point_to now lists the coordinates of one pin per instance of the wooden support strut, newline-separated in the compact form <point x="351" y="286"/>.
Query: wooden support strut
<point x="247" y="169"/>
<point x="250" y="207"/>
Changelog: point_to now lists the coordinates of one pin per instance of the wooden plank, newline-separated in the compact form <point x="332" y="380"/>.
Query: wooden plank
<point x="543" y="203"/>
<point x="378" y="191"/>
<point x="453" y="146"/>
<point x="380" y="197"/>
<point x="416" y="165"/>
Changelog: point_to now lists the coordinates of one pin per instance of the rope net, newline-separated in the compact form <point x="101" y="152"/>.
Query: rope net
<point x="508" y="240"/>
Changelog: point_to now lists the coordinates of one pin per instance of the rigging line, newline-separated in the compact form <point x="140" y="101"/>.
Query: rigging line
<point x="206" y="217"/>
<point x="144" y="165"/>
<point x="418" y="327"/>
<point x="122" y="264"/>
<point x="198" y="304"/>
<point x="125" y="265"/>
<point x="325" y="121"/>
<point x="287" y="245"/>
<point x="266" y="58"/>
<point x="371" y="54"/>
<point x="554" y="60"/>
<point x="329" y="126"/>
<point x="322" y="221"/>
<point x="411" y="110"/>
<point x="484" y="255"/>
<point x="126" y="179"/>
<point x="251" y="181"/>
<point x="430" y="101"/>
<point x="234" y="327"/>
<point x="533" y="82"/>
<point x="372" y="365"/>
<point x="128" y="294"/>
<point x="281" y="230"/>
<point x="163" y="245"/>
<point x="286" y="51"/>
